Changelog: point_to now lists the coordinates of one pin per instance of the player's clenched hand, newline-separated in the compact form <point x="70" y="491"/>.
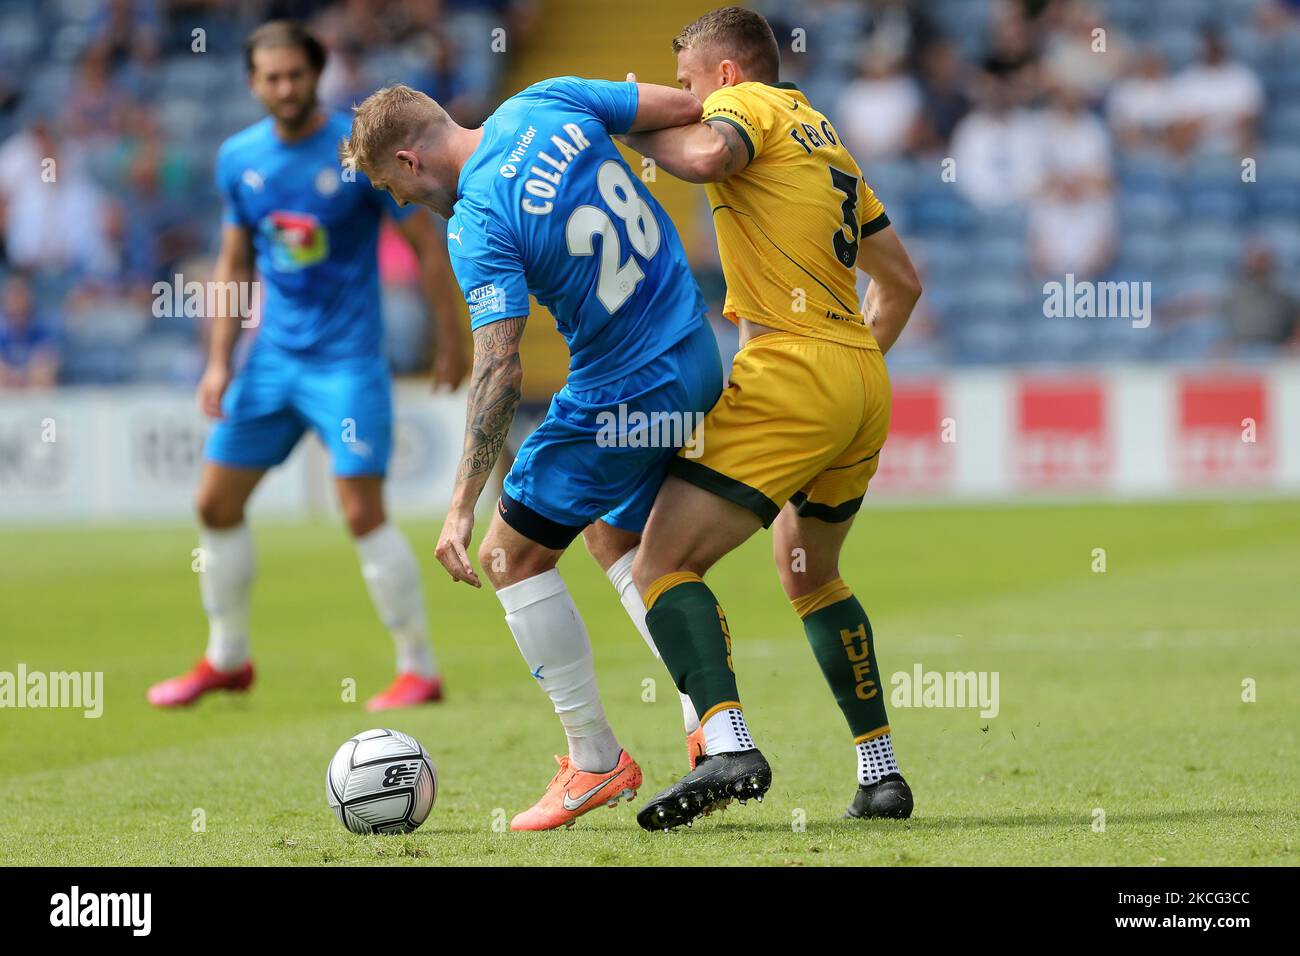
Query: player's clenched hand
<point x="212" y="387"/>
<point x="453" y="547"/>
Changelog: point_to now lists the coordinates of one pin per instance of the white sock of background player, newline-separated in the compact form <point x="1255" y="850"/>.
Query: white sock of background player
<point x="392" y="576"/>
<point x="225" y="582"/>
<point x="553" y="640"/>
<point x="620" y="575"/>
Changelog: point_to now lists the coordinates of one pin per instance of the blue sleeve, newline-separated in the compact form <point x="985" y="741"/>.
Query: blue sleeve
<point x="489" y="272"/>
<point x="614" y="104"/>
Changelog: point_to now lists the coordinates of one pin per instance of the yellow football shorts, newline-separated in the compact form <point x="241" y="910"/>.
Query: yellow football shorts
<point x="802" y="420"/>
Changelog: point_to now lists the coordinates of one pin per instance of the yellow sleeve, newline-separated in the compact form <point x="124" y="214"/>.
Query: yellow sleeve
<point x="744" y="113"/>
<point x="871" y="211"/>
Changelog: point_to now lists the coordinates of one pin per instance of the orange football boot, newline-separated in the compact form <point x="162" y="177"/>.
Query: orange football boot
<point x="572" y="792"/>
<point x="695" y="745"/>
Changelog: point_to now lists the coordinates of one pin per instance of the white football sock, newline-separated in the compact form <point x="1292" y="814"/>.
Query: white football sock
<point x="393" y="578"/>
<point x="553" y="640"/>
<point x="225" y="583"/>
<point x="620" y="575"/>
<point x="725" y="732"/>
<point x="875" y="759"/>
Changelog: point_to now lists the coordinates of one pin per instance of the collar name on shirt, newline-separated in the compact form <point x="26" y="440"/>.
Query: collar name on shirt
<point x="542" y="182"/>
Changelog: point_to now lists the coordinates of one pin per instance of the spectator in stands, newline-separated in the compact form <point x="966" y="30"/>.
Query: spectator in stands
<point x="1011" y="57"/>
<point x="1073" y="219"/>
<point x="944" y="100"/>
<point x="1081" y="50"/>
<point x="345" y="82"/>
<point x="998" y="148"/>
<point x="1143" y="106"/>
<point x="53" y="214"/>
<point x="95" y="112"/>
<point x="878" y="112"/>
<point x="29" y="355"/>
<point x="1262" y="316"/>
<point x="441" y="77"/>
<point x="1219" y="100"/>
<point x="124" y="29"/>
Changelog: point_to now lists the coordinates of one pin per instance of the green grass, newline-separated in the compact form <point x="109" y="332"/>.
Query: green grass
<point x="1119" y="691"/>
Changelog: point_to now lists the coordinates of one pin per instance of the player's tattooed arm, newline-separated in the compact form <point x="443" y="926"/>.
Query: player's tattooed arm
<point x="494" y="392"/>
<point x="495" y="387"/>
<point x="871" y="306"/>
<point x="737" y="155"/>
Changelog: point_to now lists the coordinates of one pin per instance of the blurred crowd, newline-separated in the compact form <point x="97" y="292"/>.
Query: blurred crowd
<point x="1015" y="142"/>
<point x="111" y="114"/>
<point x="1012" y="141"/>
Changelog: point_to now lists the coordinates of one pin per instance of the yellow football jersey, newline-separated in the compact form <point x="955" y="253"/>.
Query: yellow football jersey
<point x="788" y="225"/>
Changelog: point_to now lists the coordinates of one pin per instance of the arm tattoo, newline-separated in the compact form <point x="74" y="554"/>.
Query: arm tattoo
<point x="737" y="153"/>
<point x="494" y="392"/>
<point x="873" y="315"/>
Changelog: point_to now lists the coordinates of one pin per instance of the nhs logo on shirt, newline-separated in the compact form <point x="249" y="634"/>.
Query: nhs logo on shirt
<point x="485" y="300"/>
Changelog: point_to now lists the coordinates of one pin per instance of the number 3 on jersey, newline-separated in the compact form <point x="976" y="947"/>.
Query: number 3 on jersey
<point x="618" y="279"/>
<point x="845" y="239"/>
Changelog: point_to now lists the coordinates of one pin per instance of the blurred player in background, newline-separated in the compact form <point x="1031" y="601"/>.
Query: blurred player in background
<point x="310" y="229"/>
<point x="540" y="201"/>
<point x="797" y="435"/>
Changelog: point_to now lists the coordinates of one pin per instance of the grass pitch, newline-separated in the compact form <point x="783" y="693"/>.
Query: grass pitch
<point x="1120" y="692"/>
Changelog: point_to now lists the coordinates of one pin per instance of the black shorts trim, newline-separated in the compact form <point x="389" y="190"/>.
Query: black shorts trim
<point x="537" y="527"/>
<point x="830" y="514"/>
<point x="737" y="492"/>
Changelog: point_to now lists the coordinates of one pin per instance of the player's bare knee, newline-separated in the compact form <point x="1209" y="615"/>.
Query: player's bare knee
<point x="606" y="544"/>
<point x="507" y="560"/>
<point x="504" y="566"/>
<point x="649" y="567"/>
<point x="216" y="511"/>
<point x="645" y="571"/>
<point x="362" y="517"/>
<point x="799" y="579"/>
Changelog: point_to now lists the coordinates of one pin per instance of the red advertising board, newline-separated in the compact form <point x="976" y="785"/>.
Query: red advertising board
<point x="1222" y="432"/>
<point x="1062" y="437"/>
<point x="916" y="457"/>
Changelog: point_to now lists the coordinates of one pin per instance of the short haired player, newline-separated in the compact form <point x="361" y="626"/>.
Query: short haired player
<point x="541" y="202"/>
<point x="308" y="229"/>
<point x="797" y="435"/>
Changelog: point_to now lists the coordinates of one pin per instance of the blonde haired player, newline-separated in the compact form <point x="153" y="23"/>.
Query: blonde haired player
<point x="797" y="434"/>
<point x="532" y="194"/>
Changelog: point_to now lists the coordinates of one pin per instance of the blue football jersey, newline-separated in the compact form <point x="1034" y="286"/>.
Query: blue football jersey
<point x="315" y="232"/>
<point x="546" y="205"/>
